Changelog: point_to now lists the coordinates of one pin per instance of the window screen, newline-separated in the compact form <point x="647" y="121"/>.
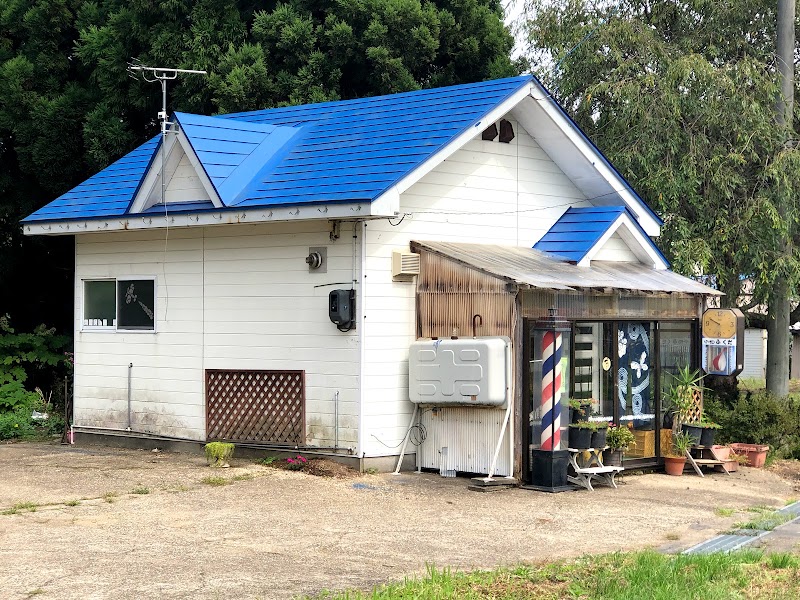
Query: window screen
<point x="136" y="304"/>
<point x="98" y="307"/>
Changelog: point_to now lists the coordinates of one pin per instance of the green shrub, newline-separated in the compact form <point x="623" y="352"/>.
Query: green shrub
<point x="758" y="417"/>
<point x="16" y="424"/>
<point x="13" y="395"/>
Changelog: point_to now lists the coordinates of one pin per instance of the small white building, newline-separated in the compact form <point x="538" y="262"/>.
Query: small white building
<point x="203" y="273"/>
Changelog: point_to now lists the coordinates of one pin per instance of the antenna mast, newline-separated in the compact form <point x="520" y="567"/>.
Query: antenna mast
<point x="162" y="75"/>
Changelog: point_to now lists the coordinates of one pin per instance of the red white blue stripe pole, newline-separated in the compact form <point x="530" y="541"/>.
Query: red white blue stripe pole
<point x="551" y="391"/>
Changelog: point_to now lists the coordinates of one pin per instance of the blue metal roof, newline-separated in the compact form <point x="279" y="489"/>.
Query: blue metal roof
<point x="578" y="230"/>
<point x="352" y="150"/>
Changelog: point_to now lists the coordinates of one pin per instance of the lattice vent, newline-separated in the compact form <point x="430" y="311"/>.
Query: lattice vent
<point x="255" y="406"/>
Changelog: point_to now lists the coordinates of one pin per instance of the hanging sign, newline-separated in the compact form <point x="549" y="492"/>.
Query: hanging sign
<point x="723" y="341"/>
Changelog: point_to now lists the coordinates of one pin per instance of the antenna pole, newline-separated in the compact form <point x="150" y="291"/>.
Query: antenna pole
<point x="162" y="75"/>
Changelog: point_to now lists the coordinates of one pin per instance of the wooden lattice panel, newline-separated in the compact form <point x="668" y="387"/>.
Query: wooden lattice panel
<point x="256" y="406"/>
<point x="696" y="413"/>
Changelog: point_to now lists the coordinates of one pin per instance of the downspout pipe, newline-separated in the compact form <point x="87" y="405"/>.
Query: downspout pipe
<point x="130" y="372"/>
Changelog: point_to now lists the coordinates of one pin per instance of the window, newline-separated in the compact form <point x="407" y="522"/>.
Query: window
<point x="127" y="304"/>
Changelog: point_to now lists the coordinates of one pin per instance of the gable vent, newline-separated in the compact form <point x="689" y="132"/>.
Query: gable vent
<point x="405" y="264"/>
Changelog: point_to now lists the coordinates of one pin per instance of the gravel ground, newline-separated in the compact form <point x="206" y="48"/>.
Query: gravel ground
<point x="281" y="533"/>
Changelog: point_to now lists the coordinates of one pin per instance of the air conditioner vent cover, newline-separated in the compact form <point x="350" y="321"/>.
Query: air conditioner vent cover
<point x="405" y="264"/>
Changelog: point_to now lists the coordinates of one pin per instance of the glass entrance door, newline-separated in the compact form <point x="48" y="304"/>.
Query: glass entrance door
<point x="635" y="386"/>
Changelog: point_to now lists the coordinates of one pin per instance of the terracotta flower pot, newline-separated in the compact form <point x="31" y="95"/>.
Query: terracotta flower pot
<point x="674" y="465"/>
<point x="756" y="453"/>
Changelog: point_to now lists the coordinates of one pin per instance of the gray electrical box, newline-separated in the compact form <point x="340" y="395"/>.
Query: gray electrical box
<point x="342" y="308"/>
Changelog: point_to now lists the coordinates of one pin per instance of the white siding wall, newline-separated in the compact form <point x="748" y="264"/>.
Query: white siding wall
<point x="616" y="250"/>
<point x="229" y="297"/>
<point x="487" y="192"/>
<point x="184" y="185"/>
<point x="755" y="353"/>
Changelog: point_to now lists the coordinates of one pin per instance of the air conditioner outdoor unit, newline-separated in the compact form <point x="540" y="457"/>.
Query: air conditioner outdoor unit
<point x="405" y="264"/>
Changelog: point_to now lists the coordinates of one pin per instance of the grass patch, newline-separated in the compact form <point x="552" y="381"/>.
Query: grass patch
<point x="783" y="560"/>
<point x="178" y="488"/>
<point x="767" y="519"/>
<point x="36" y="592"/>
<point x="620" y="576"/>
<point x="724" y="512"/>
<point x="267" y="460"/>
<point x="72" y="503"/>
<point x="243" y="477"/>
<point x="140" y="490"/>
<point x="110" y="497"/>
<point x="20" y="506"/>
<point x="672" y="536"/>
<point x="215" y="480"/>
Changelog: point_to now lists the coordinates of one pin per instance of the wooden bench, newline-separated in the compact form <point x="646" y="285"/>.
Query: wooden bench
<point x="586" y="472"/>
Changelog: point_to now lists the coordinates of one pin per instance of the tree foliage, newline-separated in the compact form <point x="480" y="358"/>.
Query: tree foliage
<point x="68" y="107"/>
<point x="681" y="97"/>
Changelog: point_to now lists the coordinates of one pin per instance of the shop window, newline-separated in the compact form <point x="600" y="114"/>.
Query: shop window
<point x="119" y="304"/>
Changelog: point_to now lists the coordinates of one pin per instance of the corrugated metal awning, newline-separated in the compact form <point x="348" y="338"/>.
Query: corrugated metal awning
<point x="529" y="267"/>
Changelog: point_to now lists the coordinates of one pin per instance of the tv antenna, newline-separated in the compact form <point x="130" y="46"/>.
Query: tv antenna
<point x="161" y="75"/>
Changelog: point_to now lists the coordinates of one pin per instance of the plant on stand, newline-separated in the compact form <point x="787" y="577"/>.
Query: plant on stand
<point x="685" y="385"/>
<point x="580" y="434"/>
<point x="618" y="440"/>
<point x="579" y="409"/>
<point x="676" y="459"/>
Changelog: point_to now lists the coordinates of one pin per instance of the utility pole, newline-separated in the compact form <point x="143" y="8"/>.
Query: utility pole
<point x="779" y="301"/>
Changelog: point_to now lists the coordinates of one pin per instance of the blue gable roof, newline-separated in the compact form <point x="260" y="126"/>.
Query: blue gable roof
<point x="352" y="150"/>
<point x="578" y="230"/>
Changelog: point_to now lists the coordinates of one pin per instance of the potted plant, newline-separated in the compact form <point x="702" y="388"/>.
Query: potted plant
<point x="618" y="440"/>
<point x="219" y="453"/>
<point x="727" y="456"/>
<point x="709" y="430"/>
<point x="579" y="409"/>
<point x="676" y="459"/>
<point x="756" y="453"/>
<point x="694" y="430"/>
<point x="681" y="397"/>
<point x="580" y="434"/>
<point x="599" y="434"/>
<point x="702" y="432"/>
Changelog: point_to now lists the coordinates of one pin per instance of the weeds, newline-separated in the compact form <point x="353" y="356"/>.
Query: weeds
<point x="767" y="519"/>
<point x="72" y="503"/>
<point x="110" y="497"/>
<point x="215" y="480"/>
<point x="724" y="512"/>
<point x="783" y="560"/>
<point x="243" y="477"/>
<point x="140" y="490"/>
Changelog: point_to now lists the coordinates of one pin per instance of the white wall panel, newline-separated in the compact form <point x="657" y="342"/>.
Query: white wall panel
<point x="486" y="192"/>
<point x="228" y="297"/>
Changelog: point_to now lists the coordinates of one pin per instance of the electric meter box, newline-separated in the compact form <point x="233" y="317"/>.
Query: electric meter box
<point x="460" y="372"/>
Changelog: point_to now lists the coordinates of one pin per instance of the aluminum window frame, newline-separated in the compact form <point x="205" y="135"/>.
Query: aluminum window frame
<point x="116" y="327"/>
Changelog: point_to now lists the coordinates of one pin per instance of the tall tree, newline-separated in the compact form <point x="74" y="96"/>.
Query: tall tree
<point x="68" y="107"/>
<point x="681" y="95"/>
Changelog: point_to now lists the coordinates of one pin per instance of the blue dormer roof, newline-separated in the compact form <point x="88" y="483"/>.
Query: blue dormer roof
<point x="578" y="232"/>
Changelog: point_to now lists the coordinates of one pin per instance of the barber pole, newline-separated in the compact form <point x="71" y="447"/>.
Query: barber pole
<point x="551" y="391"/>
